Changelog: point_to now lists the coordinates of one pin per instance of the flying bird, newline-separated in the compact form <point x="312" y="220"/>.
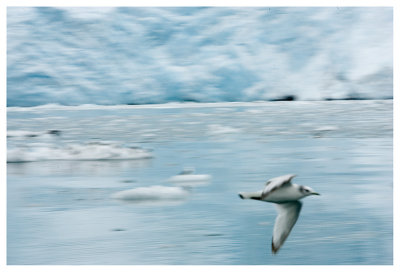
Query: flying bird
<point x="286" y="196"/>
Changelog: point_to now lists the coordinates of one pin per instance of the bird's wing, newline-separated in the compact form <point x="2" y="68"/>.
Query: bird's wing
<point x="287" y="216"/>
<point x="276" y="183"/>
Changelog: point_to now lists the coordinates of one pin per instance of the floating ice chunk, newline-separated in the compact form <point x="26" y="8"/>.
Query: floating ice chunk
<point x="32" y="134"/>
<point x="216" y="129"/>
<point x="188" y="178"/>
<point x="320" y="131"/>
<point x="21" y="133"/>
<point x="187" y="171"/>
<point x="88" y="151"/>
<point x="152" y="193"/>
<point x="326" y="128"/>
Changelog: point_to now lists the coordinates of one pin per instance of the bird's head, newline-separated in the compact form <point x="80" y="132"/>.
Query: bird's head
<point x="306" y="191"/>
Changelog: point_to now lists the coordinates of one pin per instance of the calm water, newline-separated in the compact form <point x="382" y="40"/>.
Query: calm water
<point x="60" y="209"/>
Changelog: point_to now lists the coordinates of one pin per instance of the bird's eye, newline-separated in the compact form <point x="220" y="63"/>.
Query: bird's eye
<point x="304" y="190"/>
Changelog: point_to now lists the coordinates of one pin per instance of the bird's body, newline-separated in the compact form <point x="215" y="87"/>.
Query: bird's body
<point x="286" y="196"/>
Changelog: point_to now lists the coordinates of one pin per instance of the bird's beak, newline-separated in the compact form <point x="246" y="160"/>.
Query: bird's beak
<point x="315" y="193"/>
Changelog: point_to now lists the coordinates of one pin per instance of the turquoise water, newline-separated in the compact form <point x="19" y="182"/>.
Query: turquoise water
<point x="61" y="211"/>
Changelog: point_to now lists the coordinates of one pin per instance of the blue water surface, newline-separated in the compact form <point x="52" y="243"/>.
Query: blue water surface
<point x="62" y="211"/>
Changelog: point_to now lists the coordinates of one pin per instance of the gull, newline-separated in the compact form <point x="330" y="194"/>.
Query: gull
<point x="286" y="197"/>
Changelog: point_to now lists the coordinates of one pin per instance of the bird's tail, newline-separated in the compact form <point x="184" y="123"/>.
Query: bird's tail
<point x="254" y="195"/>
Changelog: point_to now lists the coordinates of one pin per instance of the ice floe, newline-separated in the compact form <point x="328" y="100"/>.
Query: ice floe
<point x="152" y="193"/>
<point x="32" y="134"/>
<point x="75" y="151"/>
<point x="188" y="178"/>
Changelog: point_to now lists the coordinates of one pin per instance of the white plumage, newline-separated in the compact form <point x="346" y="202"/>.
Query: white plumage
<point x="286" y="196"/>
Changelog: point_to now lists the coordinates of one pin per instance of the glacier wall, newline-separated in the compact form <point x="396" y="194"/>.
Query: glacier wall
<point x="129" y="55"/>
